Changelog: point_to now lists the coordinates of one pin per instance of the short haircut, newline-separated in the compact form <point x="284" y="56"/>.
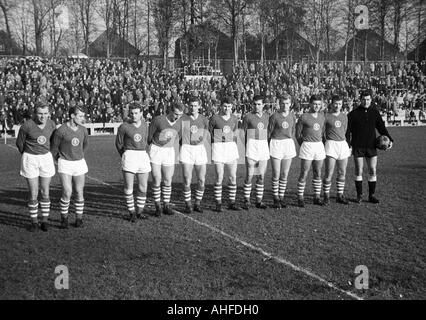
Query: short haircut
<point x="284" y="96"/>
<point x="336" y="97"/>
<point x="228" y="100"/>
<point x="193" y="98"/>
<point x="366" y="93"/>
<point x="315" y="97"/>
<point x="258" y="97"/>
<point x="177" y="106"/>
<point x="135" y="105"/>
<point x="75" y="109"/>
<point x="42" y="105"/>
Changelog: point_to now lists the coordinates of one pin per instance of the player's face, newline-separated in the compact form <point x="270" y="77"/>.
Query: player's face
<point x="285" y="105"/>
<point x="194" y="107"/>
<point x="316" y="106"/>
<point x="79" y="117"/>
<point x="366" y="101"/>
<point x="42" y="114"/>
<point x="135" y="115"/>
<point x="258" y="106"/>
<point x="176" y="114"/>
<point x="227" y="109"/>
<point x="337" y="106"/>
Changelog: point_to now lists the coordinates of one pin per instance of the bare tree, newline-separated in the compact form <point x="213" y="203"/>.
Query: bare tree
<point x="6" y="6"/>
<point x="379" y="13"/>
<point x="86" y="11"/>
<point x="105" y="10"/>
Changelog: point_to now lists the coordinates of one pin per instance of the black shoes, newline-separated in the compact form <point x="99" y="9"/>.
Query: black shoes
<point x="64" y="222"/>
<point x="218" y="207"/>
<point x="43" y="226"/>
<point x="197" y="208"/>
<point x="261" y="205"/>
<point x="277" y="204"/>
<point x="188" y="209"/>
<point x="326" y="201"/>
<point x="342" y="200"/>
<point x="373" y="199"/>
<point x="233" y="206"/>
<point x="79" y="223"/>
<point x="158" y="210"/>
<point x="283" y="204"/>
<point x="301" y="203"/>
<point x="318" y="202"/>
<point x="358" y="198"/>
<point x="140" y="215"/>
<point x="246" y="205"/>
<point x="167" y="210"/>
<point x="33" y="227"/>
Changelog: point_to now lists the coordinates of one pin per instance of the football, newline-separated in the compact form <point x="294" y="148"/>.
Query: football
<point x="382" y="142"/>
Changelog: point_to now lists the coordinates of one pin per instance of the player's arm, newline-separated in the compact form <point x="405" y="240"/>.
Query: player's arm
<point x="119" y="140"/>
<point x="381" y="128"/>
<point x="20" y="140"/>
<point x="349" y="130"/>
<point x="293" y="127"/>
<point x="271" y="125"/>
<point x="299" y="128"/>
<point x="85" y="139"/>
<point x="151" y="130"/>
<point x="211" y="126"/>
<point x="54" y="147"/>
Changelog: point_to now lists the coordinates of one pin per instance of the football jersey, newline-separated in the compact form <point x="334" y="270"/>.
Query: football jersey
<point x="222" y="130"/>
<point x="309" y="128"/>
<point x="281" y="127"/>
<point x="194" y="130"/>
<point x="162" y="133"/>
<point x="130" y="137"/>
<point x="335" y="126"/>
<point x="256" y="127"/>
<point x="69" y="144"/>
<point x="33" y="140"/>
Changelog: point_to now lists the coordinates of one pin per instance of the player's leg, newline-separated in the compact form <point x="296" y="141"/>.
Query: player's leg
<point x="167" y="173"/>
<point x="45" y="201"/>
<point x="156" y="187"/>
<point x="200" y="170"/>
<point x="340" y="180"/>
<point x="219" y="170"/>
<point x="285" y="169"/>
<point x="330" y="164"/>
<point x="260" y="184"/>
<point x="305" y="166"/>
<point x="276" y="170"/>
<point x="250" y="169"/>
<point x="79" y="199"/>
<point x="372" y="178"/>
<point x="33" y="189"/>
<point x="141" y="195"/>
<point x="129" y="179"/>
<point x="316" y="180"/>
<point x="359" y="166"/>
<point x="66" y="181"/>
<point x="232" y="185"/>
<point x="187" y="179"/>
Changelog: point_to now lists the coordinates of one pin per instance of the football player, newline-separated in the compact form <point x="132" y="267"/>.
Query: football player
<point x="37" y="166"/>
<point x="193" y="153"/>
<point x="282" y="149"/>
<point x="70" y="142"/>
<point x="223" y="130"/>
<point x="309" y="133"/>
<point x="336" y="150"/>
<point x="255" y="125"/>
<point x="131" y="144"/>
<point x="163" y="136"/>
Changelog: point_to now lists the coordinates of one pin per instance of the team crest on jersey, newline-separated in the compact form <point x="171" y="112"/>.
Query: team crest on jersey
<point x="75" y="142"/>
<point x="260" y="126"/>
<point x="194" y="129"/>
<point x="168" y="134"/>
<point x="316" y="126"/>
<point x="285" y="125"/>
<point x="41" y="140"/>
<point x="226" y="129"/>
<point x="338" y="124"/>
<point x="137" y="137"/>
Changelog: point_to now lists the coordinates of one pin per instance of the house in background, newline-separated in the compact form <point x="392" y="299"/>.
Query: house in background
<point x="118" y="46"/>
<point x="419" y="53"/>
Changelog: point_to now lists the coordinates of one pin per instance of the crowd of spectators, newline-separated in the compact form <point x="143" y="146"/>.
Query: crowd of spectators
<point x="106" y="87"/>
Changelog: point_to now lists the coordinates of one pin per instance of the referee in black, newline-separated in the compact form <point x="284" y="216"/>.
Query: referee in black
<point x="361" y="136"/>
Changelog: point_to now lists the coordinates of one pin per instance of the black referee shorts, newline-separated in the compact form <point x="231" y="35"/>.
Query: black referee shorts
<point x="364" y="152"/>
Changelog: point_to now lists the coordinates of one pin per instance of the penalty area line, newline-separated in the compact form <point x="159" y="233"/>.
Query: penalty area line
<point x="250" y="246"/>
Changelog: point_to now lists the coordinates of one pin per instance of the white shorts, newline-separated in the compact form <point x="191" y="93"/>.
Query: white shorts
<point x="257" y="150"/>
<point x="224" y="152"/>
<point x="162" y="156"/>
<point x="193" y="154"/>
<point x="312" y="151"/>
<point x="282" y="149"/>
<point x="72" y="168"/>
<point x="338" y="150"/>
<point x="135" y="161"/>
<point x="37" y="165"/>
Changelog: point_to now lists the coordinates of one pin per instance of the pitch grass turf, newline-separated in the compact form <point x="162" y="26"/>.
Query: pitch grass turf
<point x="175" y="258"/>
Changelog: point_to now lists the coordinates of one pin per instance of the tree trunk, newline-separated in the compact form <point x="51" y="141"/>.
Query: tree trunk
<point x="9" y="34"/>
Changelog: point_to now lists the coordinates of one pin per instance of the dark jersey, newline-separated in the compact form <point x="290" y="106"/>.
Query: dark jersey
<point x="256" y="127"/>
<point x="222" y="130"/>
<point x="362" y="125"/>
<point x="336" y="126"/>
<point x="309" y="128"/>
<point x="130" y="137"/>
<point x="281" y="127"/>
<point x="194" y="130"/>
<point x="69" y="144"/>
<point x="162" y="133"/>
<point x="33" y="140"/>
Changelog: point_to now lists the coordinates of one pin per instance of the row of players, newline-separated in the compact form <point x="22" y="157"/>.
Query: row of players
<point x="153" y="149"/>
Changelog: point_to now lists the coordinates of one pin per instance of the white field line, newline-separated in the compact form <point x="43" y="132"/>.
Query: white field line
<point x="250" y="246"/>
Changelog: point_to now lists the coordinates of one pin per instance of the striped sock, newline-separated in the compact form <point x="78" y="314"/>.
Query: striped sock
<point x="326" y="188"/>
<point x="301" y="189"/>
<point x="317" y="184"/>
<point x="340" y="184"/>
<point x="64" y="205"/>
<point x="79" y="208"/>
<point x="275" y="188"/>
<point x="260" y="188"/>
<point x="45" y="209"/>
<point x="130" y="202"/>
<point x="141" y="200"/>
<point x="232" y="190"/>
<point x="187" y="194"/>
<point x="199" y="193"/>
<point x="283" y="187"/>
<point x="218" y="193"/>
<point x="167" y="193"/>
<point x="157" y="194"/>
<point x="33" y="210"/>
<point x="247" y="191"/>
